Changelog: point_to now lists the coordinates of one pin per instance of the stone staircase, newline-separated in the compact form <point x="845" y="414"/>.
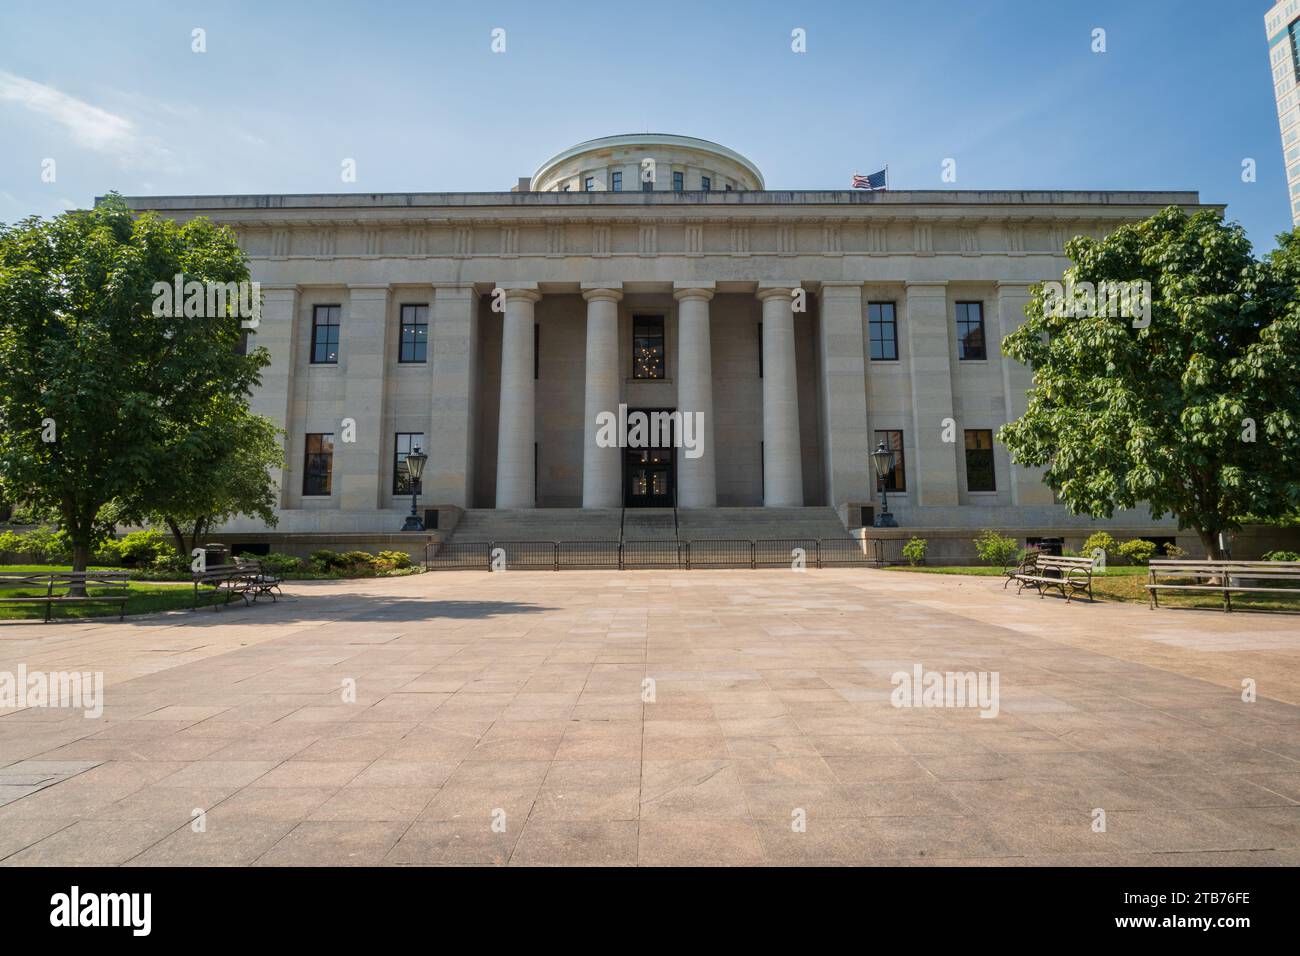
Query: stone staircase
<point x="759" y="523"/>
<point x="646" y="524"/>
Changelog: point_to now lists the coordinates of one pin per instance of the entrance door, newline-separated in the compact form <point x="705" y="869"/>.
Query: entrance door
<point x="648" y="478"/>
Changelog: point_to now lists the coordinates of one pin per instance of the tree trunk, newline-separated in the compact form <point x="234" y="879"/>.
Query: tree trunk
<point x="1211" y="541"/>
<point x="179" y="537"/>
<point x="80" y="558"/>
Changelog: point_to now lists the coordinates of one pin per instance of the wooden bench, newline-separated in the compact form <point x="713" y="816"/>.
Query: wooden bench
<point x="1067" y="575"/>
<point x="241" y="578"/>
<point x="114" y="582"/>
<point x="1023" y="565"/>
<point x="260" y="581"/>
<point x="1223" y="577"/>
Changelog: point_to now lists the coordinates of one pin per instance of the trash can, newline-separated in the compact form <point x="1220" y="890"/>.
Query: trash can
<point x="215" y="554"/>
<point x="1052" y="546"/>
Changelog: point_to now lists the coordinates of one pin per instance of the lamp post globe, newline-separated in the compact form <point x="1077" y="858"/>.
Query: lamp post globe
<point x="415" y="461"/>
<point x="883" y="460"/>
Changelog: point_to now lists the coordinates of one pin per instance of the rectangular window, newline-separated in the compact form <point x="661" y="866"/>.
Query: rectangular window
<point x="970" y="331"/>
<point x="403" y="445"/>
<point x="706" y="183"/>
<point x="589" y="184"/>
<point x="318" y="464"/>
<point x="979" y="460"/>
<point x="325" y="334"/>
<point x="647" y="185"/>
<point x="648" y="346"/>
<point x="1294" y="30"/>
<point x="884" y="331"/>
<point x="413" y="345"/>
<point x="679" y="182"/>
<point x="616" y="182"/>
<point x="896" y="480"/>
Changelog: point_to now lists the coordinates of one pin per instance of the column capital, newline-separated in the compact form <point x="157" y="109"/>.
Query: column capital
<point x="290" y="289"/>
<point x="911" y="284"/>
<point x="694" y="290"/>
<point x="1013" y="285"/>
<point x="610" y="291"/>
<point x="776" y="288"/>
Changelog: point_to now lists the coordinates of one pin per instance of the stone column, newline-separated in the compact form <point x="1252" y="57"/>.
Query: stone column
<point x="453" y="328"/>
<point x="929" y="346"/>
<point x="846" y="439"/>
<point x="517" y="427"/>
<point x="696" y="478"/>
<point x="1027" y="487"/>
<point x="363" y="352"/>
<point x="278" y="333"/>
<point x="782" y="458"/>
<point x="602" y="468"/>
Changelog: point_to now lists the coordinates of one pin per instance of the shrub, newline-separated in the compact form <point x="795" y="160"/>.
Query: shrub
<point x="143" y="547"/>
<point x="281" y="564"/>
<point x="171" y="563"/>
<point x="1173" y="551"/>
<point x="1138" y="550"/>
<point x="108" y="551"/>
<point x="347" y="562"/>
<point x="1103" y="540"/>
<point x="394" y="560"/>
<point x="994" y="548"/>
<point x="1282" y="556"/>
<point x="38" y="546"/>
<point x="915" y="550"/>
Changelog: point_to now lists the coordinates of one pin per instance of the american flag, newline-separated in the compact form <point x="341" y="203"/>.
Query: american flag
<point x="871" y="180"/>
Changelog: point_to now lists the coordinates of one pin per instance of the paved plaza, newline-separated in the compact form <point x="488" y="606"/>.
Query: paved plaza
<point x="473" y="718"/>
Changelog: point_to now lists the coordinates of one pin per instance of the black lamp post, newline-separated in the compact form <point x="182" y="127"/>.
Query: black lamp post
<point x="883" y="459"/>
<point x="414" y="468"/>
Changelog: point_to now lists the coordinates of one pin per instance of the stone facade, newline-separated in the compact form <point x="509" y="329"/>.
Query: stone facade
<point x="532" y="298"/>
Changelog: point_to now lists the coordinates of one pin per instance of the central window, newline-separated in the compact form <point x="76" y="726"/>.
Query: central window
<point x="648" y="352"/>
<point x="405" y="443"/>
<point x="884" y="332"/>
<point x="325" y="334"/>
<point x="970" y="331"/>
<point x="896" y="479"/>
<point x="318" y="464"/>
<point x="980" y="475"/>
<point x="414" y="344"/>
<point x="616" y="182"/>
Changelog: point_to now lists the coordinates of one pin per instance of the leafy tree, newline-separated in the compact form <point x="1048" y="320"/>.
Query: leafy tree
<point x="1197" y="414"/>
<point x="96" y="391"/>
<point x="224" y="470"/>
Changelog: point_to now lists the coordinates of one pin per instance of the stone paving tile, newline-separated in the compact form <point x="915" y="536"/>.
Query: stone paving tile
<point x="508" y="728"/>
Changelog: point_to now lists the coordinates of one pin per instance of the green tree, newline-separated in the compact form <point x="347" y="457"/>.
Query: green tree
<point x="225" y="465"/>
<point x="96" y="391"/>
<point x="1197" y="414"/>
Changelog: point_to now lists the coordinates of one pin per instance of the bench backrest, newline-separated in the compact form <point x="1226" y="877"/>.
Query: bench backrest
<point x="94" y="579"/>
<point x="17" y="580"/>
<point x="1271" y="570"/>
<point x="1045" y="561"/>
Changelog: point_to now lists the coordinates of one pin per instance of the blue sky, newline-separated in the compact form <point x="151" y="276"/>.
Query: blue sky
<point x="1010" y="89"/>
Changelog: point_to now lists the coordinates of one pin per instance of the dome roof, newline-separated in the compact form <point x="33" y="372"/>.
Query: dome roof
<point x="665" y="148"/>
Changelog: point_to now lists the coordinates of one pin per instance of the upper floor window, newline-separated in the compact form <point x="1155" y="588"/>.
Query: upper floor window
<point x="884" y="331"/>
<point x="404" y="443"/>
<point x="679" y="182"/>
<point x="896" y="479"/>
<point x="589" y="184"/>
<point x="318" y="463"/>
<point x="970" y="331"/>
<point x="325" y="334"/>
<point x="648" y="346"/>
<point x="616" y="182"/>
<point x="706" y="183"/>
<point x="979" y="460"/>
<point x="1294" y="30"/>
<point x="413" y="345"/>
<point x="647" y="185"/>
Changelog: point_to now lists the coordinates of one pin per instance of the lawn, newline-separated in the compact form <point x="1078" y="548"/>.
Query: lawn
<point x="1127" y="584"/>
<point x="143" y="597"/>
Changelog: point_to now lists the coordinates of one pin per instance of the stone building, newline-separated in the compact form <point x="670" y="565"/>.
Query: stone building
<point x="653" y="272"/>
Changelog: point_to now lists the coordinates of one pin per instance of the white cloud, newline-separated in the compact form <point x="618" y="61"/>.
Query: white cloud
<point x="88" y="125"/>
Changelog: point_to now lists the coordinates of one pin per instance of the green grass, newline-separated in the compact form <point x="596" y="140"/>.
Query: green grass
<point x="143" y="597"/>
<point x="1127" y="584"/>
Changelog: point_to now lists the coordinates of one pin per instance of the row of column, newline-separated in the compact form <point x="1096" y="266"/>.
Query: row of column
<point x="602" y="467"/>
